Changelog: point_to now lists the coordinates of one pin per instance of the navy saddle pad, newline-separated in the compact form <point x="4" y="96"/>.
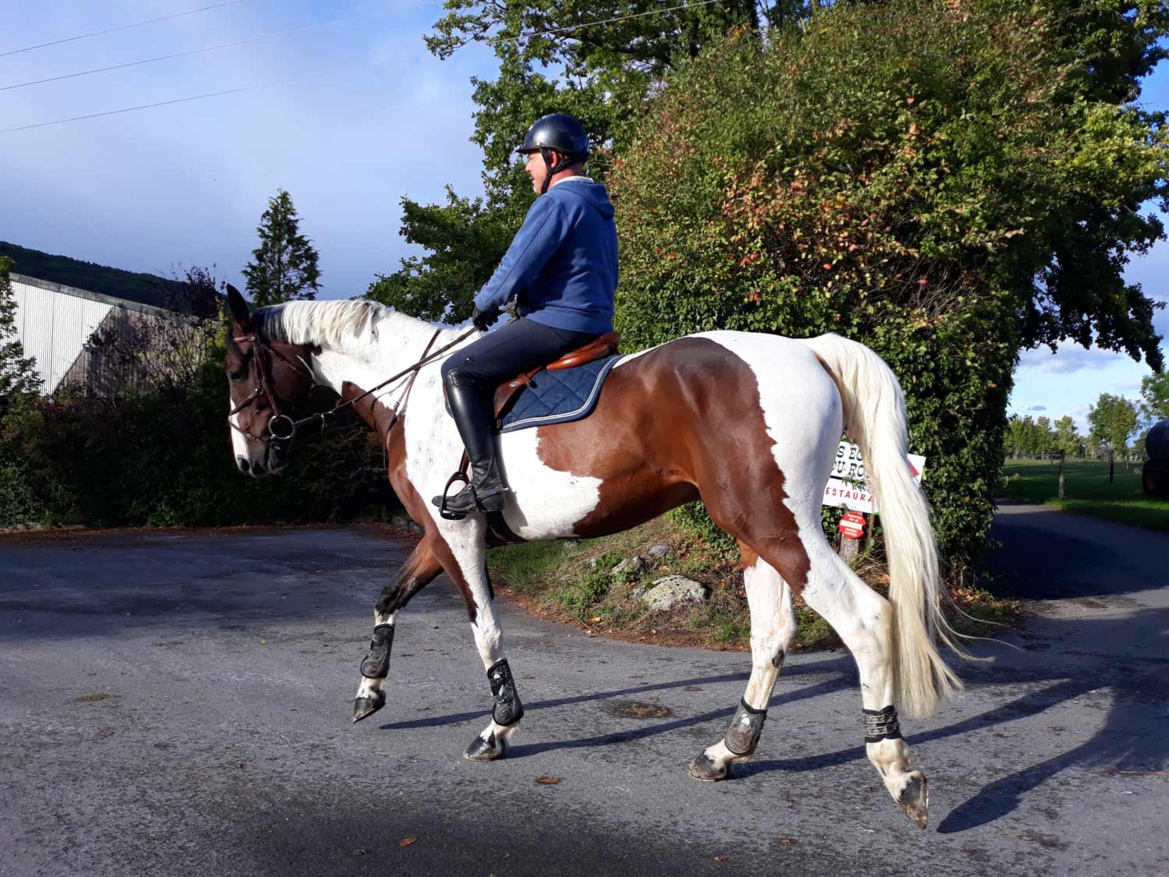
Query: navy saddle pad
<point x="559" y="396"/>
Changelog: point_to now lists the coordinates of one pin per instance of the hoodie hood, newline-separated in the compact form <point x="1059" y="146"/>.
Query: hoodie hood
<point x="590" y="191"/>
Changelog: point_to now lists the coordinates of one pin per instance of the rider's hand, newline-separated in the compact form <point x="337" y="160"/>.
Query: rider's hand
<point x="482" y="320"/>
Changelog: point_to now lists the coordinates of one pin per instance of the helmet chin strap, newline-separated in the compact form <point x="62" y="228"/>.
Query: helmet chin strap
<point x="553" y="169"/>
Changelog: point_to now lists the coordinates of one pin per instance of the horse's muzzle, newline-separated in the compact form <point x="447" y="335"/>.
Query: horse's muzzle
<point x="249" y="467"/>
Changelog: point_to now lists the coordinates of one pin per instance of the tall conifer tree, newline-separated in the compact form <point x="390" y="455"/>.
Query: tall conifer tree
<point x="284" y="266"/>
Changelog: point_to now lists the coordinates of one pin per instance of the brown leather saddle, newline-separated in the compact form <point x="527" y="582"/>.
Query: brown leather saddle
<point x="598" y="348"/>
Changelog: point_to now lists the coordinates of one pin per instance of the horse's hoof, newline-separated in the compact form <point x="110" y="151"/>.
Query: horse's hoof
<point x="915" y="799"/>
<point x="486" y="750"/>
<point x="363" y="707"/>
<point x="707" y="769"/>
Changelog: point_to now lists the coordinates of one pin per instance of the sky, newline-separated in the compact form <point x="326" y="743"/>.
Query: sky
<point x="353" y="114"/>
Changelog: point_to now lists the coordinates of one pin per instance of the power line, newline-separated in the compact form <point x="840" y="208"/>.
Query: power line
<point x="270" y="36"/>
<point x="572" y="27"/>
<point x="142" y="107"/>
<point x="266" y="84"/>
<point x="98" y="33"/>
<point x="258" y="39"/>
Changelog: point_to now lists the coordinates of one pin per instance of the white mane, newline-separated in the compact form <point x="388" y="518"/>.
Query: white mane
<point x="332" y="324"/>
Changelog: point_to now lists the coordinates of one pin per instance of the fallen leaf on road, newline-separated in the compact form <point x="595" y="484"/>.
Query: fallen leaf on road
<point x="406" y="841"/>
<point x="548" y="781"/>
<point x="595" y="620"/>
<point x="721" y="858"/>
<point x="785" y="841"/>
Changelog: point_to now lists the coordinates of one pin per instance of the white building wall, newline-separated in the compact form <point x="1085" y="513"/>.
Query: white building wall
<point x="53" y="327"/>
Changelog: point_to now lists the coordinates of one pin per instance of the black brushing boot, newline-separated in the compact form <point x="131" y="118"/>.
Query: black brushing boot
<point x="474" y="417"/>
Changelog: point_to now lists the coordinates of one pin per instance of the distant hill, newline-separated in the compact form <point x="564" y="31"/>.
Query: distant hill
<point x="146" y="289"/>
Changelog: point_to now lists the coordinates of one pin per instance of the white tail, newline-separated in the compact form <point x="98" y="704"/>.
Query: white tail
<point x="874" y="416"/>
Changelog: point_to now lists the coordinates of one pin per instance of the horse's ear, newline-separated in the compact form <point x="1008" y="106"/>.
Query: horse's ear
<point x="237" y="306"/>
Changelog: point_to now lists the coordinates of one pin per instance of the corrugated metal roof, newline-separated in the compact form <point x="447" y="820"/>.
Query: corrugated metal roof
<point x="54" y="323"/>
<point x="61" y="288"/>
<point x="54" y="328"/>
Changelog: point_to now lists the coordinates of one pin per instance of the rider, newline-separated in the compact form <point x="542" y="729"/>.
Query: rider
<point x="561" y="269"/>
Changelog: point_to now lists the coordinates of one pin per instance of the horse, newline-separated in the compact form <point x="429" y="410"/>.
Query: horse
<point x="747" y="423"/>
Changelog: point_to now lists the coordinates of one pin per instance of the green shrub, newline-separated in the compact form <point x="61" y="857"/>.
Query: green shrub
<point x="942" y="182"/>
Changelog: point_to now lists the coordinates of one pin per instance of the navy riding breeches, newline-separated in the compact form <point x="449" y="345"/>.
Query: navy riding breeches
<point x="517" y="347"/>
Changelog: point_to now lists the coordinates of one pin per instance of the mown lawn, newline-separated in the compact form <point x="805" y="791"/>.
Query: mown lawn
<point x="1086" y="491"/>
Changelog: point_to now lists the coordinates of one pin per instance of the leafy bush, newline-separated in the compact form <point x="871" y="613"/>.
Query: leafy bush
<point x="165" y="460"/>
<point x="942" y="182"/>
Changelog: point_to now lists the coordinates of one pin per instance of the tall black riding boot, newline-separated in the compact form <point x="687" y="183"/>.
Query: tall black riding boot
<point x="475" y="418"/>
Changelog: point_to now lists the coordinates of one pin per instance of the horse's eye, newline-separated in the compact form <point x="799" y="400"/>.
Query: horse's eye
<point x="238" y="375"/>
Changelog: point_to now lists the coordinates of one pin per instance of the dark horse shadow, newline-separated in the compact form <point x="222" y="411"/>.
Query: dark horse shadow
<point x="646" y="731"/>
<point x="1127" y="741"/>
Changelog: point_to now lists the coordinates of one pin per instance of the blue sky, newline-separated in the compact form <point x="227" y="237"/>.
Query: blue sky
<point x="359" y="115"/>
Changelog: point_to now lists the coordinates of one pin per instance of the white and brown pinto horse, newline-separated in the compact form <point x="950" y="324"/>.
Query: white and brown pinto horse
<point x="747" y="423"/>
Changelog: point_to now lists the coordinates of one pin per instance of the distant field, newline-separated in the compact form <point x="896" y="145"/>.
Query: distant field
<point x="1086" y="491"/>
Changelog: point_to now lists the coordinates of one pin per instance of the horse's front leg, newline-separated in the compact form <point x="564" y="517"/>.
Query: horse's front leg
<point x="467" y="566"/>
<point x="418" y="571"/>
<point x="507" y="710"/>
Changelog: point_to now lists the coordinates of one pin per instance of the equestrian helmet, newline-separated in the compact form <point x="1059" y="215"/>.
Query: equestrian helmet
<point x="559" y="132"/>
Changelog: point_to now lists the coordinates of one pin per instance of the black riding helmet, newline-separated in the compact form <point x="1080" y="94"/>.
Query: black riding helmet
<point x="557" y="132"/>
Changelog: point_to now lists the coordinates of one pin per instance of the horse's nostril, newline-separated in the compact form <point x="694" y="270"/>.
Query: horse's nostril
<point x="244" y="465"/>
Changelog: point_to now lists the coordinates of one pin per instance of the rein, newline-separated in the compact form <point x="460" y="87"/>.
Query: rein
<point x="283" y="428"/>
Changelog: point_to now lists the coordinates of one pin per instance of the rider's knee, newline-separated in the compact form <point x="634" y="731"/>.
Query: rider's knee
<point x="453" y="375"/>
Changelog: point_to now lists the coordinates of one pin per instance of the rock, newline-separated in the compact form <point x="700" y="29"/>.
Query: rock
<point x="670" y="591"/>
<point x="660" y="552"/>
<point x="629" y="566"/>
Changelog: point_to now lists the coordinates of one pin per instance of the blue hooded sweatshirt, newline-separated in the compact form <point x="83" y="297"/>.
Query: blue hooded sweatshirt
<point x="562" y="265"/>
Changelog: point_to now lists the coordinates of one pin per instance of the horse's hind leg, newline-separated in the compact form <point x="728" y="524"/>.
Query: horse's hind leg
<point x="772" y="629"/>
<point x="864" y="621"/>
<point x="419" y="570"/>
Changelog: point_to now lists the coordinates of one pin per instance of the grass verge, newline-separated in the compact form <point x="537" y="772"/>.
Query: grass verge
<point x="584" y="583"/>
<point x="1087" y="491"/>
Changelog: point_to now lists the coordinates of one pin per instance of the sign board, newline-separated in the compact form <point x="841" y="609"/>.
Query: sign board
<point x="852" y="525"/>
<point x="847" y="487"/>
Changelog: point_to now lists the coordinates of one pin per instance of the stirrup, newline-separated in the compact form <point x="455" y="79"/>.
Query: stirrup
<point x="441" y="501"/>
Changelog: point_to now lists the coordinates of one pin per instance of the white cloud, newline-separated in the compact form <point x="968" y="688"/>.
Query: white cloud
<point x="1070" y="357"/>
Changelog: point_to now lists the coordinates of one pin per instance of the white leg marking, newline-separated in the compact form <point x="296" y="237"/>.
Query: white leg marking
<point x="864" y="620"/>
<point x="772" y="630"/>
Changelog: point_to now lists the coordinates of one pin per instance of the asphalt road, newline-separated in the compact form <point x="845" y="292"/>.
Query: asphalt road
<point x="176" y="703"/>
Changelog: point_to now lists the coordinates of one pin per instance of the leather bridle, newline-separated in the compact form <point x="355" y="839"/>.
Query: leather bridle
<point x="282" y="428"/>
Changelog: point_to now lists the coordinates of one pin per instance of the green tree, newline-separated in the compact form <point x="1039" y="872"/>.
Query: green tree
<point x="1155" y="396"/>
<point x="18" y="374"/>
<point x="1113" y="420"/>
<point x="19" y="385"/>
<point x="1067" y="436"/>
<point x="914" y="175"/>
<point x="465" y="240"/>
<point x="284" y="266"/>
